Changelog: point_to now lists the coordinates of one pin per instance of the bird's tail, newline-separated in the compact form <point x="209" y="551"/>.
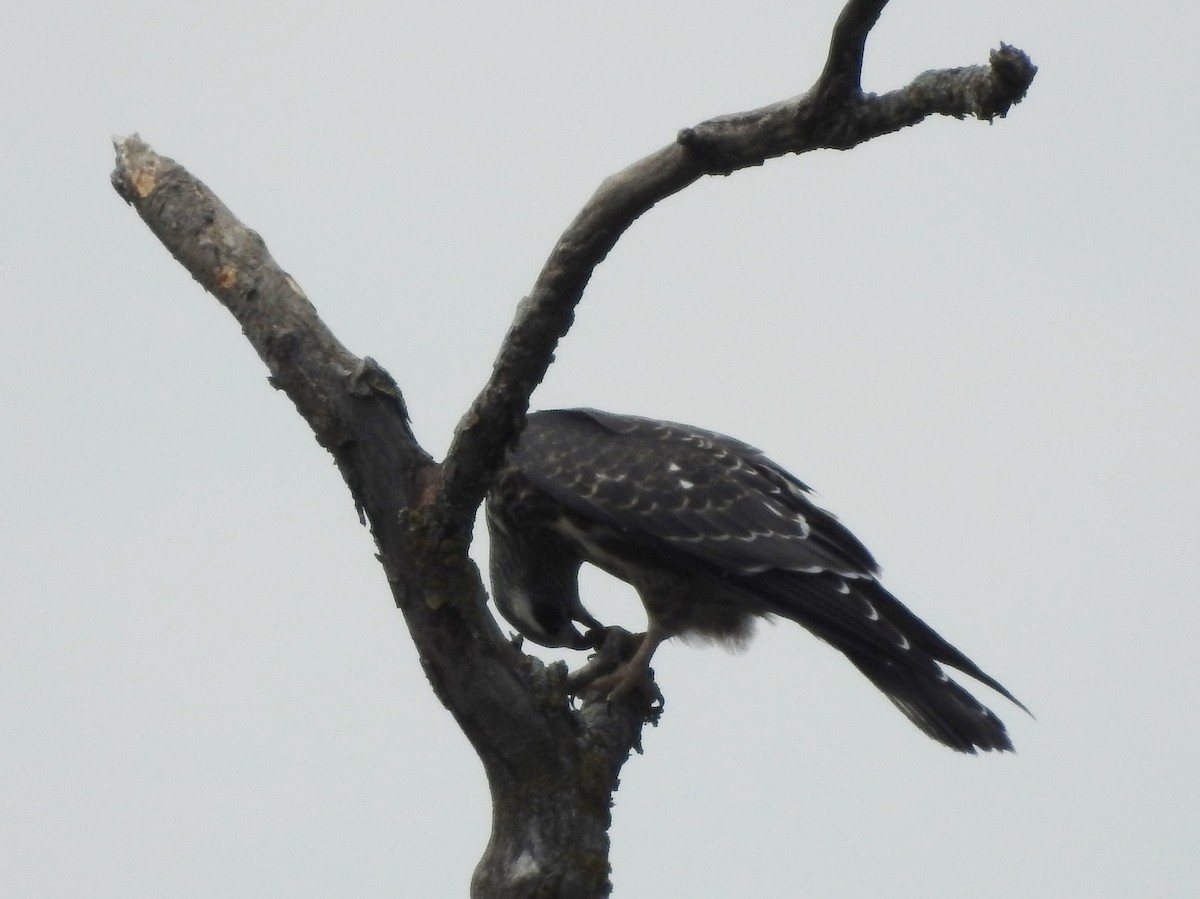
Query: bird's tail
<point x="937" y="705"/>
<point x="897" y="651"/>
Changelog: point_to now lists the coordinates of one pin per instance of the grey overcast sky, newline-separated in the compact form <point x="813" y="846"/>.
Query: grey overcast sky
<point x="978" y="343"/>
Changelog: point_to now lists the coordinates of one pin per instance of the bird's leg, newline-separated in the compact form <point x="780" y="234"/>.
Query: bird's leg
<point x="632" y="673"/>
<point x="614" y="646"/>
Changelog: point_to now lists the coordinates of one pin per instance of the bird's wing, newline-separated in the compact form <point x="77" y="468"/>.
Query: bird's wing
<point x="702" y="494"/>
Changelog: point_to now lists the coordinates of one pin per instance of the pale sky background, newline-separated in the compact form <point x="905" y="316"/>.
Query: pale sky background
<point x="979" y="344"/>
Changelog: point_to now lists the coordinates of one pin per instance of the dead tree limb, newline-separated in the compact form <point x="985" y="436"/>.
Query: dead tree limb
<point x="552" y="767"/>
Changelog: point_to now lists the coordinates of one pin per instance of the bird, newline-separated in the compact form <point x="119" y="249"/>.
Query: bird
<point x="713" y="536"/>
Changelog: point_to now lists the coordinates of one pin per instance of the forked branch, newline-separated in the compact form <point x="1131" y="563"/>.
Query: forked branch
<point x="552" y="767"/>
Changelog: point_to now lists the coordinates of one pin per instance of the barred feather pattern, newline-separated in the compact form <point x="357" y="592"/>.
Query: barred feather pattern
<point x="713" y="535"/>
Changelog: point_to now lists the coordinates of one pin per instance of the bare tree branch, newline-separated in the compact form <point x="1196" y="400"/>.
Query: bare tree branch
<point x="843" y="67"/>
<point x="835" y="114"/>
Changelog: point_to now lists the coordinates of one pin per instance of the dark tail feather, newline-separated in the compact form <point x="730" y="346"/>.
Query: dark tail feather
<point x="897" y="651"/>
<point x="922" y="635"/>
<point x="937" y="705"/>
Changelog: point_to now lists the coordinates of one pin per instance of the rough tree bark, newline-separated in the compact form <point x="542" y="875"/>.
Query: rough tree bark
<point x="552" y="766"/>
